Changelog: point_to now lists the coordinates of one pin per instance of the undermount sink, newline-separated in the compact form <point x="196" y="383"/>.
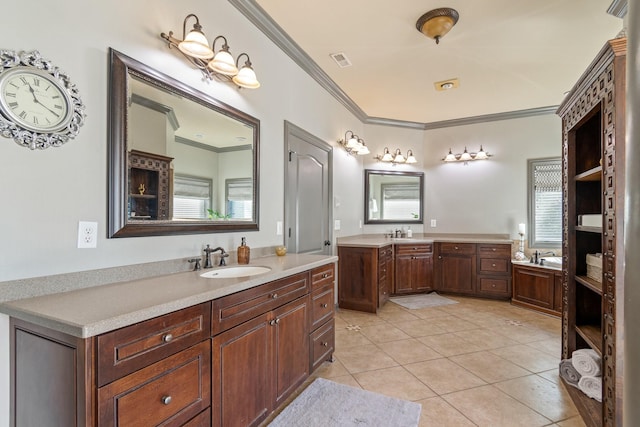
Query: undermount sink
<point x="553" y="261"/>
<point x="230" y="272"/>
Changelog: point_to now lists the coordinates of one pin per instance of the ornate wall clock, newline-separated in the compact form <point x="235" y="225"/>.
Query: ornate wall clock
<point x="39" y="106"/>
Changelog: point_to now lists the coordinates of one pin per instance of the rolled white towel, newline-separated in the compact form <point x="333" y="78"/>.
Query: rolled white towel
<point x="591" y="386"/>
<point x="587" y="362"/>
<point x="569" y="373"/>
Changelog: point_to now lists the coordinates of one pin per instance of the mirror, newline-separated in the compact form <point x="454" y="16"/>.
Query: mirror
<point x="180" y="161"/>
<point x="393" y="197"/>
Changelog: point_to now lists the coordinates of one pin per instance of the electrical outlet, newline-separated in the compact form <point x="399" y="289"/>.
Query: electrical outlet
<point x="87" y="234"/>
<point x="433" y="223"/>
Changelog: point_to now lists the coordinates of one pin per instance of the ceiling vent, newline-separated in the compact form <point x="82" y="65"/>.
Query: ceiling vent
<point x="341" y="59"/>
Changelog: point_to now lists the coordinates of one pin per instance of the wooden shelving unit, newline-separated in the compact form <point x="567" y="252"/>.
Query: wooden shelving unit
<point x="150" y="186"/>
<point x="593" y="183"/>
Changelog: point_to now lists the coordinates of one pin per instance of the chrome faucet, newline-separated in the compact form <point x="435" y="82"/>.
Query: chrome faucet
<point x="537" y="254"/>
<point x="208" y="251"/>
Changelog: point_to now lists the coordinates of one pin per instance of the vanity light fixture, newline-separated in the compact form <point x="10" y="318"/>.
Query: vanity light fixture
<point x="218" y="65"/>
<point x="466" y="156"/>
<point x="353" y="144"/>
<point x="396" y="157"/>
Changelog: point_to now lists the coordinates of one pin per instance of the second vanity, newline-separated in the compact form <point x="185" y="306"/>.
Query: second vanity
<point x="178" y="349"/>
<point x="374" y="267"/>
<point x="537" y="287"/>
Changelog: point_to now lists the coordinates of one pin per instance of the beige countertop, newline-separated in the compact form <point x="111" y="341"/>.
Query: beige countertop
<point x="378" y="240"/>
<point x="528" y="263"/>
<point x="92" y="311"/>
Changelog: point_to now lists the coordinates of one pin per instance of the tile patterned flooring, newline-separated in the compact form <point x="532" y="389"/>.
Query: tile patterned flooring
<point x="475" y="363"/>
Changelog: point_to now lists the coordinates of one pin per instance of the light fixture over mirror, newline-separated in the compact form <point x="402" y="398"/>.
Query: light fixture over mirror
<point x="466" y="156"/>
<point x="396" y="157"/>
<point x="353" y="144"/>
<point x="437" y="22"/>
<point x="219" y="65"/>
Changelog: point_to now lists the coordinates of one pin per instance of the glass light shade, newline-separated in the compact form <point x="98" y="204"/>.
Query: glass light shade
<point x="450" y="157"/>
<point x="223" y="63"/>
<point x="386" y="157"/>
<point x="399" y="158"/>
<point x="352" y="142"/>
<point x="437" y="27"/>
<point x="465" y="157"/>
<point x="481" y="155"/>
<point x="362" y="150"/>
<point x="246" y="78"/>
<point x="195" y="44"/>
<point x="410" y="158"/>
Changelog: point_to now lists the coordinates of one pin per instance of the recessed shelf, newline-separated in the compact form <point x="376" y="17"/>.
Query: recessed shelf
<point x="594" y="174"/>
<point x="588" y="229"/>
<point x="590" y="283"/>
<point x="143" y="196"/>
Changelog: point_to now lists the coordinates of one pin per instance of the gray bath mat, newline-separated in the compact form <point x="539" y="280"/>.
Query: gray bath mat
<point x="326" y="403"/>
<point x="415" y="302"/>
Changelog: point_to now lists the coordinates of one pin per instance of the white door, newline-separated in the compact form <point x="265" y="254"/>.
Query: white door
<point x="307" y="192"/>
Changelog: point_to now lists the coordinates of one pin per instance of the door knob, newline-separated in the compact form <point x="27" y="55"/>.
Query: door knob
<point x="327" y="243"/>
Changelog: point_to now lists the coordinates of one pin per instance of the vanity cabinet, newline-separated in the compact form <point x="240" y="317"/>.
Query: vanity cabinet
<point x="359" y="278"/>
<point x="386" y="282"/>
<point x="537" y="288"/>
<point x="456" y="267"/>
<point x="413" y="268"/>
<point x="227" y="362"/>
<point x="494" y="270"/>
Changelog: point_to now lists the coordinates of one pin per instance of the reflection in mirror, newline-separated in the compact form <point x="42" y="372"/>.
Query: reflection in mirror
<point x="393" y="197"/>
<point x="180" y="161"/>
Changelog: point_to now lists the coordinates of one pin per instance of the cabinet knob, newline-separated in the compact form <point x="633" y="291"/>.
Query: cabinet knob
<point x="166" y="400"/>
<point x="455" y="247"/>
<point x="325" y="344"/>
<point x="493" y="265"/>
<point x="439" y="256"/>
<point x="274" y="296"/>
<point x="493" y="285"/>
<point x="167" y="338"/>
<point x="274" y="322"/>
<point x="325" y="275"/>
<point x="493" y="249"/>
<point x="325" y="305"/>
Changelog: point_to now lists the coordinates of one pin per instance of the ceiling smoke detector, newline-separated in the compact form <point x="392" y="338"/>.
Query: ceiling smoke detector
<point x="341" y="59"/>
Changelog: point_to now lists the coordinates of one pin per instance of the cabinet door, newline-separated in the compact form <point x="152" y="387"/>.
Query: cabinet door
<point x="421" y="273"/>
<point x="243" y="360"/>
<point x="358" y="278"/>
<point x="534" y="286"/>
<point x="403" y="274"/>
<point x="456" y="273"/>
<point x="290" y="323"/>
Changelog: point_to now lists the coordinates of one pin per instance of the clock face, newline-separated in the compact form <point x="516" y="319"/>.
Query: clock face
<point x="34" y="99"/>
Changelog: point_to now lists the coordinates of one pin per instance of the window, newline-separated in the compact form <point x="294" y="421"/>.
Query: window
<point x="400" y="201"/>
<point x="191" y="197"/>
<point x="545" y="203"/>
<point x="239" y="197"/>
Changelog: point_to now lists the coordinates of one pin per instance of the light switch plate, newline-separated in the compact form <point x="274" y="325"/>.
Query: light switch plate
<point x="433" y="223"/>
<point x="279" y="228"/>
<point x="336" y="224"/>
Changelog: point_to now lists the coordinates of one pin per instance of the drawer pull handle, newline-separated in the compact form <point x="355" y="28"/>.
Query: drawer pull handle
<point x="325" y="305"/>
<point x="166" y="400"/>
<point x="167" y="338"/>
<point x="274" y="296"/>
<point x="493" y="249"/>
<point x="325" y="275"/>
<point x="493" y="265"/>
<point x="274" y="322"/>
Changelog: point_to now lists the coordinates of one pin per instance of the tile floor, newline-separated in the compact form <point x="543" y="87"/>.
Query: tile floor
<point x="475" y="363"/>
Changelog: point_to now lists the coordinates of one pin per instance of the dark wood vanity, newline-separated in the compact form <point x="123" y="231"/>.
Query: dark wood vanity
<point x="372" y="268"/>
<point x="230" y="361"/>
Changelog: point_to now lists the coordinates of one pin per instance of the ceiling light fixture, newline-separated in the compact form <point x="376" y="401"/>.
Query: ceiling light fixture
<point x="396" y="157"/>
<point x="466" y="156"/>
<point x="219" y="65"/>
<point x="353" y="144"/>
<point x="437" y="22"/>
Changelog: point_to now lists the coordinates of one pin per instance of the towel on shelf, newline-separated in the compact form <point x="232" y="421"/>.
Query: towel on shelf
<point x="591" y="386"/>
<point x="569" y="373"/>
<point x="587" y="362"/>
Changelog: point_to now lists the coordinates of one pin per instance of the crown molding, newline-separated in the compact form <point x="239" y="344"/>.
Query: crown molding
<point x="259" y="17"/>
<point x="618" y="8"/>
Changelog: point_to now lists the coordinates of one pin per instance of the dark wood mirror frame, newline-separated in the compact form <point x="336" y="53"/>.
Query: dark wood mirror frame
<point x="368" y="173"/>
<point x="121" y="68"/>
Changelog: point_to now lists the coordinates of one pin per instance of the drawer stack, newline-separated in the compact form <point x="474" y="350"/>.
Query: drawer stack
<point x="322" y="337"/>
<point x="494" y="270"/>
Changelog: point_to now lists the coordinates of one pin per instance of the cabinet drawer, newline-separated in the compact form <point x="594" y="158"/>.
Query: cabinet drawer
<point x="169" y="392"/>
<point x="494" y="251"/>
<point x="236" y="308"/>
<point x="128" y="349"/>
<point x="458" y="248"/>
<point x="322" y="301"/>
<point x="500" y="286"/>
<point x="322" y="344"/>
<point x="203" y="419"/>
<point x="385" y="252"/>
<point x="494" y="265"/>
<point x="321" y="276"/>
<point x="421" y="248"/>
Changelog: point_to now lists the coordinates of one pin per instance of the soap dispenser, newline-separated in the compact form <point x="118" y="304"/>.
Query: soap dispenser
<point x="243" y="252"/>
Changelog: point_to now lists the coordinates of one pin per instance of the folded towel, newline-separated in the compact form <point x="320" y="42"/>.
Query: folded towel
<point x="591" y="386"/>
<point x="568" y="373"/>
<point x="587" y="362"/>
